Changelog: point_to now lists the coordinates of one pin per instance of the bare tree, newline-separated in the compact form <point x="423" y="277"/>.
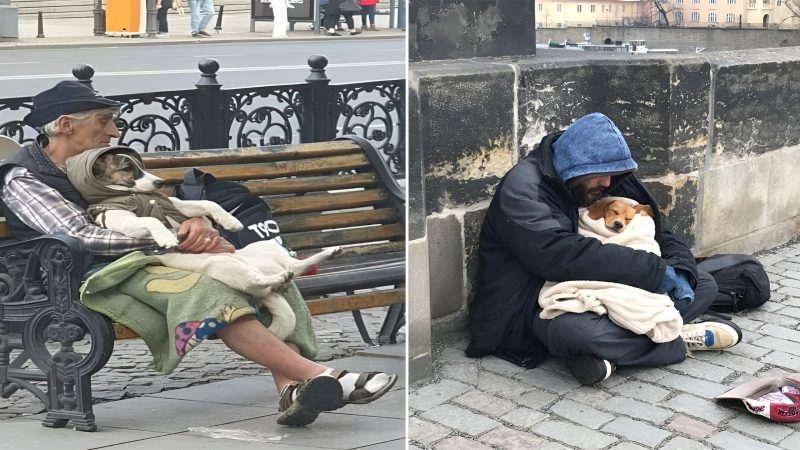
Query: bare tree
<point x="663" y="8"/>
<point x="794" y="10"/>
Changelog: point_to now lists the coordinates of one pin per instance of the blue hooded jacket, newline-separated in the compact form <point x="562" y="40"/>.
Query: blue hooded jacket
<point x="530" y="234"/>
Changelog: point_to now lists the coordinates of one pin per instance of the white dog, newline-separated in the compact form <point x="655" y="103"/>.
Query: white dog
<point x="261" y="269"/>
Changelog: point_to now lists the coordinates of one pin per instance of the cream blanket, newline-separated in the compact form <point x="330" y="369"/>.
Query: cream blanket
<point x="632" y="308"/>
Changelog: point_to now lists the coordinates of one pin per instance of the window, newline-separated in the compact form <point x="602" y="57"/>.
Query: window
<point x="712" y="17"/>
<point x="695" y="16"/>
<point x="680" y="1"/>
<point x="540" y="6"/>
<point x="679" y="17"/>
<point x="580" y="8"/>
<point x="731" y="2"/>
<point x="695" y="1"/>
<point x="591" y="8"/>
<point x="558" y="7"/>
<point x="778" y="2"/>
<point x="730" y="18"/>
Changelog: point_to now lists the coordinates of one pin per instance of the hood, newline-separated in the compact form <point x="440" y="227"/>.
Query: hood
<point x="591" y="146"/>
<point x="79" y="172"/>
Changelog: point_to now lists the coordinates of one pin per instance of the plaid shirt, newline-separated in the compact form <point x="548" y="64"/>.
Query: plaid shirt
<point x="47" y="211"/>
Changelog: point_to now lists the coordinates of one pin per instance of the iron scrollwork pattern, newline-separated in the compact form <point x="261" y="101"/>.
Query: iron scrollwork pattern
<point x="375" y="111"/>
<point x="265" y="116"/>
<point x="144" y="127"/>
<point x="11" y="124"/>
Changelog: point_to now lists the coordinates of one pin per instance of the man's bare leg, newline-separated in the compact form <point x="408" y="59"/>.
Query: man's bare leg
<point x="249" y="338"/>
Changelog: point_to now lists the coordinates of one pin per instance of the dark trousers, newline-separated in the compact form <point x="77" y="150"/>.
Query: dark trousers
<point x="161" y="16"/>
<point x="368" y="11"/>
<point x="332" y="19"/>
<point x="587" y="333"/>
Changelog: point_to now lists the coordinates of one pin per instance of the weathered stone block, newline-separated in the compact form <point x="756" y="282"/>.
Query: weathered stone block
<point x="661" y="108"/>
<point x="756" y="93"/>
<point x="419" y="311"/>
<point x="466" y="130"/>
<point x="416" y="168"/>
<point x="445" y="256"/>
<point x="450" y="29"/>
<point x="677" y="200"/>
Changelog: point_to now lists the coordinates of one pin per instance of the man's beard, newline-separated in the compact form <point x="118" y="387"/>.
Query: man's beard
<point x="585" y="196"/>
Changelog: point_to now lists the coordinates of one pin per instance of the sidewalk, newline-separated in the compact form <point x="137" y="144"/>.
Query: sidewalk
<point x="236" y="414"/>
<point x="490" y="403"/>
<point x="214" y="389"/>
<point x="78" y="32"/>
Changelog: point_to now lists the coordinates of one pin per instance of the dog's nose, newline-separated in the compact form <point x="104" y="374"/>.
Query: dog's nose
<point x="617" y="225"/>
<point x="158" y="184"/>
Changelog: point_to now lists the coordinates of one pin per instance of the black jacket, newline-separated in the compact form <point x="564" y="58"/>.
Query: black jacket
<point x="530" y="235"/>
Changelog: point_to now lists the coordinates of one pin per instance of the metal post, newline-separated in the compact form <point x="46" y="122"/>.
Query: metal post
<point x="151" y="24"/>
<point x="208" y="110"/>
<point x="401" y="15"/>
<point x="40" y="33"/>
<point x="391" y="13"/>
<point x="319" y="123"/>
<point x="99" y="18"/>
<point x="218" y="27"/>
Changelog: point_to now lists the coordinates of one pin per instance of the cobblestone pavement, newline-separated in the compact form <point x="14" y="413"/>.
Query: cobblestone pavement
<point x="127" y="374"/>
<point x="490" y="403"/>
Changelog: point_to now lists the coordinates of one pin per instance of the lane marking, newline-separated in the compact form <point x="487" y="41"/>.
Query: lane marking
<point x="195" y="71"/>
<point x="20" y="62"/>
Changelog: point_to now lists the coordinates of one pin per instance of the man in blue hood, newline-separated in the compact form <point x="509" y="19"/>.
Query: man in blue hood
<point x="530" y="235"/>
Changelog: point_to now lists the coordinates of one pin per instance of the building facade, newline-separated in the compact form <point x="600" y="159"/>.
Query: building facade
<point x="680" y="13"/>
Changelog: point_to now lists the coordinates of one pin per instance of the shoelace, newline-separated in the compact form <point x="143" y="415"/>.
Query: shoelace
<point x="695" y="339"/>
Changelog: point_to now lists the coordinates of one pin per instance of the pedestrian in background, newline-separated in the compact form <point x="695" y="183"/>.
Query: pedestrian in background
<point x="344" y="8"/>
<point x="202" y="11"/>
<point x="161" y="17"/>
<point x="368" y="11"/>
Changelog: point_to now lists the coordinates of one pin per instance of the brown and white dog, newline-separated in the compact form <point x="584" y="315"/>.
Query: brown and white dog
<point x="617" y="213"/>
<point x="261" y="269"/>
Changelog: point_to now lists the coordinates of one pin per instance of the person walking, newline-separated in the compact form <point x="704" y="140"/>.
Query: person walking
<point x="368" y="11"/>
<point x="161" y="17"/>
<point x="338" y="8"/>
<point x="202" y="11"/>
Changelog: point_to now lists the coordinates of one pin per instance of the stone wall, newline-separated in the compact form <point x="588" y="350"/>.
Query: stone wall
<point x="447" y="29"/>
<point x="716" y="137"/>
<point x="686" y="40"/>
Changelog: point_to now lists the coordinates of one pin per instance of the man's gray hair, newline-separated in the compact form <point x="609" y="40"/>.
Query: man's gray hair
<point x="52" y="129"/>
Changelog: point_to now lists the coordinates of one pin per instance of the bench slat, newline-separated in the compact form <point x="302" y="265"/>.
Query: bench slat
<point x="309" y="222"/>
<point x="312" y="184"/>
<point x="277" y="169"/>
<point x="248" y="155"/>
<point x="358" y="301"/>
<point x="326" y="202"/>
<point x="300" y="241"/>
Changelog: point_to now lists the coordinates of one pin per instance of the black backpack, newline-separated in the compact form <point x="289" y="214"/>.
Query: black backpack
<point x="255" y="215"/>
<point x="741" y="280"/>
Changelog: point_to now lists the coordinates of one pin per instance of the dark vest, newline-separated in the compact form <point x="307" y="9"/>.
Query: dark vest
<point x="32" y="157"/>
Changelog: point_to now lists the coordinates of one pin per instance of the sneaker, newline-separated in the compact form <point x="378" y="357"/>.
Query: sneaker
<point x="372" y="28"/>
<point x="162" y="35"/>
<point x="355" y="32"/>
<point x="332" y="33"/>
<point x="195" y="35"/>
<point x="589" y="370"/>
<point x="715" y="334"/>
<point x="203" y="33"/>
<point x="364" y="28"/>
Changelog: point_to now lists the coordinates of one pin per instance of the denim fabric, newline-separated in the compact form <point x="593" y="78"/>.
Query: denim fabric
<point x="669" y="282"/>
<point x="592" y="145"/>
<point x="202" y="11"/>
<point x="368" y="11"/>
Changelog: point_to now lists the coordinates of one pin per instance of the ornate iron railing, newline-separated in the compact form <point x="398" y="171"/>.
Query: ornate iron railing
<point x="210" y="117"/>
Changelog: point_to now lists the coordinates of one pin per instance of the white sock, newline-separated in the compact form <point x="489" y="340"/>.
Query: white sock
<point x="348" y="382"/>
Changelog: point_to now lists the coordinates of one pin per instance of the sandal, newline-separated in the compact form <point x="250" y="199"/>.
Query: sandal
<point x="318" y="394"/>
<point x="360" y="394"/>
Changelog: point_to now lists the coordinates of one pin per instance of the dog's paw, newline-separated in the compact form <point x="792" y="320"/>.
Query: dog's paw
<point x="229" y="222"/>
<point x="165" y="239"/>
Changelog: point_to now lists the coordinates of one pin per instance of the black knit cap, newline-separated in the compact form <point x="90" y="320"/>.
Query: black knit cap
<point x="67" y="97"/>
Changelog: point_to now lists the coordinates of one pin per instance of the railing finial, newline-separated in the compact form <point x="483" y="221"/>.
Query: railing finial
<point x="84" y="74"/>
<point x="208" y="72"/>
<point x="317" y="64"/>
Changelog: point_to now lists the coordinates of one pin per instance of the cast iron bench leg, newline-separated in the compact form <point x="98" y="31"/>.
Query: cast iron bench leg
<point x="361" y="327"/>
<point x="395" y="318"/>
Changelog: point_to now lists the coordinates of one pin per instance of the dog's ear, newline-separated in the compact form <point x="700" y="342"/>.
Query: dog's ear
<point x="598" y="209"/>
<point x="645" y="210"/>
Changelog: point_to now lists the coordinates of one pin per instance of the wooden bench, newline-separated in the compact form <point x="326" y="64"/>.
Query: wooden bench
<point x="322" y="194"/>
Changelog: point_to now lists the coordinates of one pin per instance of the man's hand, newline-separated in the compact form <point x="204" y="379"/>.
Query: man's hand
<point x="198" y="236"/>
